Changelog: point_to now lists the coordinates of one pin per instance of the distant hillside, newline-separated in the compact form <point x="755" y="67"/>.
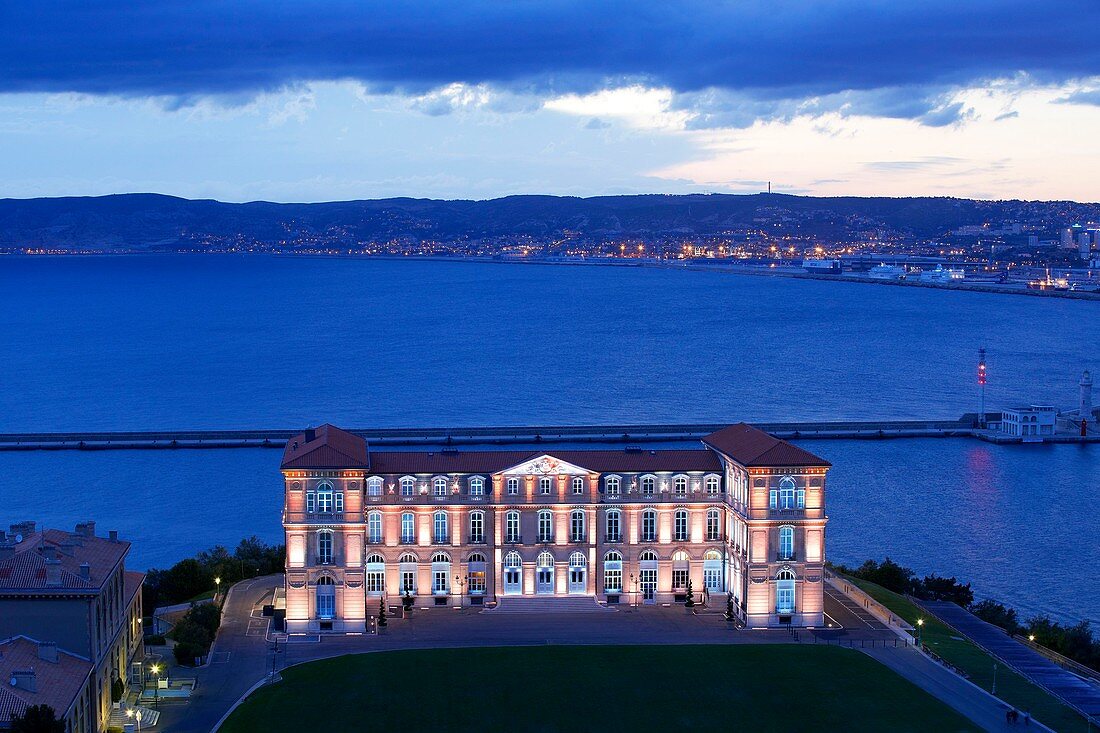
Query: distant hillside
<point x="151" y="221"/>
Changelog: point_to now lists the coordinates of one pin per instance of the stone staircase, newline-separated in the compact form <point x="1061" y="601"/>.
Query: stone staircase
<point x="149" y="718"/>
<point x="548" y="604"/>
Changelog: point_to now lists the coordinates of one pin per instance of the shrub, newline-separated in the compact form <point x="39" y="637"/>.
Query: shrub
<point x="997" y="614"/>
<point x="206" y="615"/>
<point x="155" y="640"/>
<point x="186" y="653"/>
<point x="37" y="719"/>
<point x="118" y="689"/>
<point x="935" y="588"/>
<point x="189" y="632"/>
<point x="690" y="600"/>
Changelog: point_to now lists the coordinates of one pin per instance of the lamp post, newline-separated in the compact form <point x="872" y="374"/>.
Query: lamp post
<point x="994" y="679"/>
<point x="217" y="588"/>
<point x="634" y="593"/>
<point x="155" y="669"/>
<point x="136" y="715"/>
<point x="461" y="583"/>
<point x="920" y="629"/>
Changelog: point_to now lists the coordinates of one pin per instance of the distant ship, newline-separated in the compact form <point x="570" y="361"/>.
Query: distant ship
<point x="822" y="267"/>
<point x="942" y="275"/>
<point x="1049" y="283"/>
<point x="886" y="272"/>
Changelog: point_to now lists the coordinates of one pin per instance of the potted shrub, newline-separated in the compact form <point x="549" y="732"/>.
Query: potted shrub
<point x="729" y="614"/>
<point x="689" y="602"/>
<point x="407" y="604"/>
<point x="118" y="689"/>
<point x="382" y="615"/>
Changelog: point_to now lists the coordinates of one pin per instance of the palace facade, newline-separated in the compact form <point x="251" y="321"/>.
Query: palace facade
<point x="743" y="515"/>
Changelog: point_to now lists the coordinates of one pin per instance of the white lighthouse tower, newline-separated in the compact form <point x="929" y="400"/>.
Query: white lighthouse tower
<point x="1084" y="411"/>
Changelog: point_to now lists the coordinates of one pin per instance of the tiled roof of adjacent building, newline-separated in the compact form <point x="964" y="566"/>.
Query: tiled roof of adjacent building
<point x="751" y="446"/>
<point x="600" y="461"/>
<point x="53" y="560"/>
<point x="56" y="683"/>
<point x="326" y="447"/>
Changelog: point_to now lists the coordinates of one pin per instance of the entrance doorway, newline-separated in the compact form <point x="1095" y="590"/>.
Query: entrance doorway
<point x="544" y="574"/>
<point x="578" y="573"/>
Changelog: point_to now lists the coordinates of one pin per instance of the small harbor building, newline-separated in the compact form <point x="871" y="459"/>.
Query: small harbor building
<point x="1030" y="423"/>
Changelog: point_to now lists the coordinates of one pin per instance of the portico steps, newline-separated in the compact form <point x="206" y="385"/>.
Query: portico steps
<point x="548" y="604"/>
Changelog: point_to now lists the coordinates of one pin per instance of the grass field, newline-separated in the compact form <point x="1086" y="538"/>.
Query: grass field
<point x="597" y="689"/>
<point x="1011" y="687"/>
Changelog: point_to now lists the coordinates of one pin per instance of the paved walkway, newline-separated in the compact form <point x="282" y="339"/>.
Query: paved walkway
<point x="1072" y="689"/>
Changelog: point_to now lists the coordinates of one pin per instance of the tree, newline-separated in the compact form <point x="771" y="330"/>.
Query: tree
<point x="935" y="588"/>
<point x="37" y="719"/>
<point x="382" y="613"/>
<point x="689" y="602"/>
<point x="997" y="614"/>
<point x="729" y="608"/>
<point x="118" y="689"/>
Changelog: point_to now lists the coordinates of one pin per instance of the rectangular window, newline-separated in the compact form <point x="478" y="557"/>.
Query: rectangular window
<point x="324" y="502"/>
<point x="546" y="527"/>
<point x="681" y="526"/>
<point x="712" y="579"/>
<point x="311" y="502"/>
<point x="578" y="484"/>
<point x="477" y="581"/>
<point x="408" y="528"/>
<point x="713" y="526"/>
<point x="612" y="580"/>
<point x="408" y="581"/>
<point x="477" y="487"/>
<point x="576" y="527"/>
<point x="679" y="578"/>
<point x="802" y="498"/>
<point x="786" y="498"/>
<point x="511" y="527"/>
<point x="545" y="484"/>
<point x="439" y="581"/>
<point x="613" y="531"/>
<point x="649" y="526"/>
<point x="374" y="527"/>
<point x="408" y="486"/>
<point x="376" y="581"/>
<point x="339" y="501"/>
<point x="513" y="486"/>
<point x="441" y="534"/>
<point x="324" y="548"/>
<point x="477" y="528"/>
<point x="773" y="499"/>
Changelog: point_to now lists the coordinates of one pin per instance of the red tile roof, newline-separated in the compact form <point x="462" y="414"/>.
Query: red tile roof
<point x="57" y="683"/>
<point x="750" y="446"/>
<point x="327" y="447"/>
<point x="601" y="461"/>
<point x="26" y="570"/>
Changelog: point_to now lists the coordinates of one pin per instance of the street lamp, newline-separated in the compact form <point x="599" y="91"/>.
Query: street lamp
<point x="217" y="587"/>
<point x="1031" y="637"/>
<point x="634" y="595"/>
<point x="155" y="669"/>
<point x="136" y="715"/>
<point x="920" y="628"/>
<point x="461" y="583"/>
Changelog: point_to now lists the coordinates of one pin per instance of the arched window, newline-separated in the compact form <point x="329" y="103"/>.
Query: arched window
<point x="325" y="497"/>
<point x="546" y="560"/>
<point x="439" y="486"/>
<point x="475" y="573"/>
<point x="513" y="486"/>
<point x="440" y="526"/>
<point x="649" y="525"/>
<point x="680" y="486"/>
<point x="614" y="525"/>
<point x="407" y="568"/>
<point x="613" y="572"/>
<point x="475" y="557"/>
<point x="681" y="568"/>
<point x="477" y="486"/>
<point x="326" y="597"/>
<point x="786" y="543"/>
<point x="578" y="560"/>
<point x="441" y="573"/>
<point x="374" y="486"/>
<point x="648" y="555"/>
<point x="784" y="592"/>
<point x="408" y="558"/>
<point x="578" y="484"/>
<point x="408" y="486"/>
<point x="714" y="485"/>
<point x="511" y="527"/>
<point x="546" y="484"/>
<point x="546" y="526"/>
<point x="713" y="571"/>
<point x="374" y="527"/>
<point x="649" y="485"/>
<point x="477" y="527"/>
<point x="441" y="557"/>
<point x="612" y="485"/>
<point x="408" y="528"/>
<point x="787" y="492"/>
<point x="512" y="560"/>
<point x="712" y="555"/>
<point x="714" y="525"/>
<point x="680" y="525"/>
<point x="576" y="526"/>
<point x="324" y="547"/>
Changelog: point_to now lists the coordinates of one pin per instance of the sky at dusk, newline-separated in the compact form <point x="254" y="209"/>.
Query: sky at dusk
<point x="311" y="101"/>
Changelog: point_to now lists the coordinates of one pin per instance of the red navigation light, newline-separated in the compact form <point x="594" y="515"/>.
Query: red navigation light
<point x="981" y="374"/>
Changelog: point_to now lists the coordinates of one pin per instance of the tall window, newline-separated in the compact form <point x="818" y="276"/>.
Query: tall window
<point x="477" y="527"/>
<point x="408" y="528"/>
<point x="439" y="486"/>
<point x="326" y="598"/>
<point x="511" y="527"/>
<point x="441" y="573"/>
<point x="614" y="525"/>
<point x="513" y="486"/>
<point x="787" y="493"/>
<point x="324" y="547"/>
<point x="338" y="502"/>
<point x="649" y="485"/>
<point x="578" y="484"/>
<point x="311" y="502"/>
<point x="714" y="485"/>
<point x="477" y="486"/>
<point x="576" y="526"/>
<point x="324" y="498"/>
<point x="546" y="526"/>
<point x="475" y="567"/>
<point x="784" y="592"/>
<point x="680" y="525"/>
<point x="512" y="571"/>
<point x="546" y="484"/>
<point x="649" y="525"/>
<point x="714" y="525"/>
<point x="376" y="574"/>
<point x="408" y="486"/>
<point x="374" y="527"/>
<point x="613" y="485"/>
<point x="408" y="563"/>
<point x="613" y="572"/>
<point x="786" y="543"/>
<point x="680" y="485"/>
<point x="440" y="526"/>
<point x="374" y="486"/>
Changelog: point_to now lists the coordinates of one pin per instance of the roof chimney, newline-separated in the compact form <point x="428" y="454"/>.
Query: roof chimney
<point x="47" y="651"/>
<point x="85" y="571"/>
<point x="113" y="535"/>
<point x="53" y="573"/>
<point x="86" y="529"/>
<point x="310" y="435"/>
<point x="23" y="679"/>
<point x="26" y="529"/>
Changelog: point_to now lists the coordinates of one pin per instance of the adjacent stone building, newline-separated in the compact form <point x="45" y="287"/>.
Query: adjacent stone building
<point x="71" y="615"/>
<point x="742" y="515"/>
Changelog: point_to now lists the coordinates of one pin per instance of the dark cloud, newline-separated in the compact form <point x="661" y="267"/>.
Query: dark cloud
<point x="770" y="56"/>
<point x="596" y="123"/>
<point x="1090" y="96"/>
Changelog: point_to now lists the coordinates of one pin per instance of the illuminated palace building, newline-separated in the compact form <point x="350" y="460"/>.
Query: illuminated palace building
<point x="743" y="515"/>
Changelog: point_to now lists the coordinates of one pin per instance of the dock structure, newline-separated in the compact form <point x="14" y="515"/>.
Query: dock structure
<point x="446" y="437"/>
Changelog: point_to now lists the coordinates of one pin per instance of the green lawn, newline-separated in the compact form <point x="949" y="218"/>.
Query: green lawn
<point x="1011" y="687"/>
<point x="598" y="689"/>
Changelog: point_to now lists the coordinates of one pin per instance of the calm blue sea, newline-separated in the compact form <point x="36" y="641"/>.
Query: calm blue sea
<point x="221" y="342"/>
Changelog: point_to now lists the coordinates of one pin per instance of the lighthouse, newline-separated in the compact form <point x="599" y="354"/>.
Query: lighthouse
<point x="1084" y="411"/>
